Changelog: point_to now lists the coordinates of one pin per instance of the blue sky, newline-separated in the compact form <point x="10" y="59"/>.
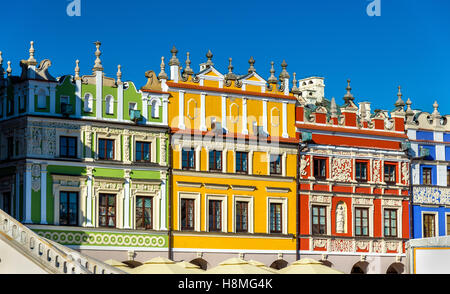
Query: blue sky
<point x="408" y="45"/>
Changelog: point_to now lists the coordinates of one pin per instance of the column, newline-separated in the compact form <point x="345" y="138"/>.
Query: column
<point x="145" y="108"/>
<point x="197" y="157"/>
<point x="120" y="108"/>
<point x="43" y="194"/>
<point x="27" y="194"/>
<point x="52" y="102"/>
<point x="181" y="110"/>
<point x="126" y="200"/>
<point x="99" y="94"/>
<point x="78" y="104"/>
<point x="17" y="192"/>
<point x="165" y="101"/>
<point x="163" y="216"/>
<point x="89" y="197"/>
<point x="224" y="112"/>
<point x="250" y="162"/>
<point x="202" y="112"/>
<point x="285" y="132"/>
<point x="224" y="160"/>
<point x="244" y="116"/>
<point x="265" y="115"/>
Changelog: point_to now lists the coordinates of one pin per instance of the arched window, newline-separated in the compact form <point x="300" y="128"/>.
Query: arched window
<point x="155" y="108"/>
<point x="88" y="102"/>
<point x="41" y="99"/>
<point x="109" y="104"/>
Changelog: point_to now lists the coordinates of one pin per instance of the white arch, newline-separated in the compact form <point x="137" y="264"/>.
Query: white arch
<point x="88" y="102"/>
<point x="155" y="104"/>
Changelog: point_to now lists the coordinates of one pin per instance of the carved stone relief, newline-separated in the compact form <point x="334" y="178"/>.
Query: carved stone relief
<point x="341" y="217"/>
<point x="377" y="171"/>
<point x="342" y="169"/>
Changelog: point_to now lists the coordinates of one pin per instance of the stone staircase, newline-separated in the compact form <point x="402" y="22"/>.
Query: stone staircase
<point x="48" y="255"/>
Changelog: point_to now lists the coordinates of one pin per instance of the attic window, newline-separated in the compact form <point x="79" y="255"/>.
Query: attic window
<point x="88" y="102"/>
<point x="41" y="99"/>
<point x="155" y="108"/>
<point x="109" y="101"/>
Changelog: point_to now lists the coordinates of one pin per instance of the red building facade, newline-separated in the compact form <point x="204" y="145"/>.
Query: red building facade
<point x="354" y="181"/>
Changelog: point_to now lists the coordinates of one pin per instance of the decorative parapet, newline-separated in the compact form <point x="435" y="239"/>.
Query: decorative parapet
<point x="352" y="245"/>
<point x="93" y="237"/>
<point x="431" y="195"/>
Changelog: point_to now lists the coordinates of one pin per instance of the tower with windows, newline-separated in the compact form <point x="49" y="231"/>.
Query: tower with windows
<point x="429" y="134"/>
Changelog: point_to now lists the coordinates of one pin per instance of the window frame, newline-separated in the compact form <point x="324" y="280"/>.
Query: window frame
<point x="218" y="203"/>
<point x="424" y="216"/>
<point x="215" y="157"/>
<point x="273" y="220"/>
<point x="359" y="178"/>
<point x="106" y="149"/>
<point x="360" y="222"/>
<point x="319" y="216"/>
<point x="189" y="151"/>
<point x="316" y="171"/>
<point x="152" y="224"/>
<point x="68" y="214"/>
<point x="393" y="167"/>
<point x="427" y="177"/>
<point x="240" y="158"/>
<point x="239" y="229"/>
<point x="75" y="139"/>
<point x="101" y="195"/>
<point x="275" y="165"/>
<point x="182" y="226"/>
<point x="142" y="152"/>
<point x="390" y="221"/>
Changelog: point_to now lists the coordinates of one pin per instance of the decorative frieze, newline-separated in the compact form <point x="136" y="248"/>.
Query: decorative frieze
<point x="376" y="172"/>
<point x="431" y="195"/>
<point x="391" y="202"/>
<point x="342" y="169"/>
<point x="320" y="199"/>
<point x="363" y="201"/>
<point x="342" y="245"/>
<point x="36" y="177"/>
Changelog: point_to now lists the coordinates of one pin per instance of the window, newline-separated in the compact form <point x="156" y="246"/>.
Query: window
<point x="88" y="102"/>
<point x="155" y="108"/>
<point x="215" y="215"/>
<point x="107" y="210"/>
<point x="132" y="106"/>
<point x="241" y="162"/>
<point x="106" y="149"/>
<point x="319" y="220"/>
<point x="361" y="221"/>
<point x="10" y="147"/>
<point x="275" y="218"/>
<point x="448" y="224"/>
<point x="144" y="212"/>
<point x="41" y="99"/>
<point x="361" y="171"/>
<point x="426" y="176"/>
<point x="275" y="164"/>
<point x="68" y="208"/>
<point x="63" y="100"/>
<point x="143" y="151"/>
<point x="21" y="102"/>
<point x="241" y="216"/>
<point x="215" y="160"/>
<point x="109" y="104"/>
<point x="187" y="214"/>
<point x="320" y="168"/>
<point x="68" y="147"/>
<point x="188" y="159"/>
<point x="390" y="223"/>
<point x="389" y="173"/>
<point x="429" y="225"/>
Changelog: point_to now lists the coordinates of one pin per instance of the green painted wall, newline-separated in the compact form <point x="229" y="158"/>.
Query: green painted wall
<point x="131" y="95"/>
<point x="66" y="88"/>
<point x="148" y="175"/>
<point x="111" y="173"/>
<point x="91" y="89"/>
<point x="113" y="92"/>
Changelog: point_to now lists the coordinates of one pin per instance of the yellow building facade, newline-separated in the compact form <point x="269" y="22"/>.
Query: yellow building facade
<point x="233" y="158"/>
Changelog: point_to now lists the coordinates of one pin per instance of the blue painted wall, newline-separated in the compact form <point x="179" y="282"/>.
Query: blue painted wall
<point x="447" y="153"/>
<point x="433" y="174"/>
<point x="417" y="219"/>
<point x="446" y="137"/>
<point x="423" y="135"/>
<point x="432" y="149"/>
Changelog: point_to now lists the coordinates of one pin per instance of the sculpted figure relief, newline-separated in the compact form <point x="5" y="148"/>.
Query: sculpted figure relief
<point x="340" y="217"/>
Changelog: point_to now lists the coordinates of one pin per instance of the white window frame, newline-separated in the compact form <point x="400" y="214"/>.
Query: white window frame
<point x="284" y="216"/>
<point x="152" y="143"/>
<point x="327" y="212"/>
<point x="197" y="216"/>
<point x="63" y="133"/>
<point x="88" y="106"/>
<point x="436" y="223"/>
<point x="399" y="214"/>
<point x="371" y="224"/>
<point x="224" y="211"/>
<point x="250" y="201"/>
<point x="155" y="104"/>
<point x="109" y="104"/>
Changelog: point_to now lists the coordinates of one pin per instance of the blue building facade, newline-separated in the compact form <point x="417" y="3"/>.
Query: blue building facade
<point x="429" y="135"/>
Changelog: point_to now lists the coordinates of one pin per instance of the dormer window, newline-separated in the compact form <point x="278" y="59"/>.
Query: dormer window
<point x="132" y="106"/>
<point x="155" y="108"/>
<point x="88" y="102"/>
<point x="109" y="104"/>
<point x="41" y="99"/>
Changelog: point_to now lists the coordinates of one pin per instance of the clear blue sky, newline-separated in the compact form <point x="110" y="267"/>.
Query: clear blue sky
<point x="408" y="45"/>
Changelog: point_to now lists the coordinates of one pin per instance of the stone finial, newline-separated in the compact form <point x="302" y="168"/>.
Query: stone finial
<point x="98" y="63"/>
<point x="295" y="89"/>
<point x="230" y="75"/>
<point x="409" y="111"/>
<point x="284" y="74"/>
<point x="272" y="79"/>
<point x="435" y="111"/>
<point x="162" y="74"/>
<point x="77" y="70"/>
<point x="349" y="95"/>
<point x="9" y="69"/>
<point x="333" y="108"/>
<point x="119" y="74"/>
<point x="399" y="102"/>
<point x="209" y="55"/>
<point x="31" y="60"/>
<point x="174" y="60"/>
<point x="188" y="70"/>
<point x="251" y="61"/>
